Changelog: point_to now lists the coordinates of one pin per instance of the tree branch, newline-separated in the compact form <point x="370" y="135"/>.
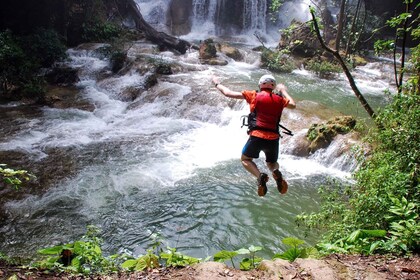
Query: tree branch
<point x="349" y="76"/>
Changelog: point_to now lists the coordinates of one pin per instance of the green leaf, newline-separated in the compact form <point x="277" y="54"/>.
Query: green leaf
<point x="129" y="264"/>
<point x="76" y="262"/>
<point x="245" y="264"/>
<point x="141" y="264"/>
<point x="291" y="241"/>
<point x="243" y="251"/>
<point x="374" y="232"/>
<point x="254" y="249"/>
<point x="224" y="255"/>
<point x="56" y="250"/>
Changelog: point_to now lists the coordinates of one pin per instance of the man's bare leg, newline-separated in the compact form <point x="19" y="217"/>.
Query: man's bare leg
<point x="250" y="165"/>
<point x="252" y="168"/>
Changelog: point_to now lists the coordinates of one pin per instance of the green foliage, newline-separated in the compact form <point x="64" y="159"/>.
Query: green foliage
<point x="381" y="46"/>
<point x="176" y="259"/>
<point x="46" y="46"/>
<point x="386" y="182"/>
<point x="323" y="69"/>
<point x="274" y="9"/>
<point x="149" y="260"/>
<point x="224" y="255"/>
<point x="277" y="61"/>
<point x="13" y="62"/>
<point x="99" y="31"/>
<point x="14" y="178"/>
<point x="360" y="241"/>
<point x="152" y="259"/>
<point x="251" y="261"/>
<point x="295" y="250"/>
<point x="83" y="256"/>
<point x="21" y="58"/>
<point x="404" y="226"/>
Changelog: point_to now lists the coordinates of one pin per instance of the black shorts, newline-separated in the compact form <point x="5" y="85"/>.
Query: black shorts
<point x="255" y="145"/>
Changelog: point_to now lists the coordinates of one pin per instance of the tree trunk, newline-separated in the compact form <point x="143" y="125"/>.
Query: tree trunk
<point x="350" y="78"/>
<point x="352" y="29"/>
<point x="162" y="39"/>
<point x="341" y="21"/>
<point x="404" y="40"/>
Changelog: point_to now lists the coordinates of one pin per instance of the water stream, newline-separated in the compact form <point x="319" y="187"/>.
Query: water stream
<point x="168" y="162"/>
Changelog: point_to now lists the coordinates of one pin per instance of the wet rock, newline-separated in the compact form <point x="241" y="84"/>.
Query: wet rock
<point x="118" y="60"/>
<point x="208" y="49"/>
<point x="208" y="53"/>
<point x="131" y="93"/>
<point x="321" y="135"/>
<point x="66" y="97"/>
<point x="230" y="51"/>
<point x="163" y="69"/>
<point x="301" y="40"/>
<point x="63" y="76"/>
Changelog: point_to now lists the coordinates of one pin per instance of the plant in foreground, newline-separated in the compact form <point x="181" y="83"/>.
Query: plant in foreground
<point x="83" y="256"/>
<point x="246" y="263"/>
<point x="13" y="177"/>
<point x="295" y="250"/>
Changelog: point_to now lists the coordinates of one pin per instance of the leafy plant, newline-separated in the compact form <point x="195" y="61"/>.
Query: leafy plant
<point x="359" y="241"/>
<point x="149" y="260"/>
<point x="246" y="263"/>
<point x="323" y="69"/>
<point x="14" y="178"/>
<point x="45" y="46"/>
<point x="224" y="255"/>
<point x="252" y="261"/>
<point x="405" y="226"/>
<point x="295" y="250"/>
<point x="13" y="62"/>
<point x="176" y="259"/>
<point x="99" y="30"/>
<point x="83" y="256"/>
<point x="21" y="58"/>
<point x="277" y="61"/>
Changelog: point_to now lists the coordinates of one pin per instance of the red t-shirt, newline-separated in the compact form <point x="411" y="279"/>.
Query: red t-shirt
<point x="271" y="105"/>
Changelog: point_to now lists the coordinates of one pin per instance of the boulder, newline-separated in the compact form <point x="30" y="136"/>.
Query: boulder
<point x="321" y="135"/>
<point x="208" y="53"/>
<point x="230" y="51"/>
<point x="300" y="40"/>
<point x="63" y="76"/>
<point x="207" y="49"/>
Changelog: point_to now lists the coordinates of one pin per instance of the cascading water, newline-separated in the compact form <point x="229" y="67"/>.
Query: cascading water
<point x="228" y="18"/>
<point x="168" y="162"/>
<point x="255" y="15"/>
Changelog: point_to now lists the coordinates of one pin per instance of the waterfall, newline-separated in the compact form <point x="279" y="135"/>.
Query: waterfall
<point x="222" y="17"/>
<point x="255" y="15"/>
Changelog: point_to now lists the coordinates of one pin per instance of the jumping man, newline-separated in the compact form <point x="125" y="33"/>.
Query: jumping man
<point x="266" y="107"/>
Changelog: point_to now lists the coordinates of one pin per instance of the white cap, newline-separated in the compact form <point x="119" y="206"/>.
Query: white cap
<point x="267" y="81"/>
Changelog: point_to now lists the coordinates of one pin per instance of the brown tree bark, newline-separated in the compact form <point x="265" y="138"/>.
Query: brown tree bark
<point x="341" y="21"/>
<point x="162" y="39"/>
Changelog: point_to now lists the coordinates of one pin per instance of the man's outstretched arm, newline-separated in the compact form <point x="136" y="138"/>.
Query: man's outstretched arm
<point x="226" y="91"/>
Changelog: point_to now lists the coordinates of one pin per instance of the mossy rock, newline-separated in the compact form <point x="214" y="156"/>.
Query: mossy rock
<point x="230" y="51"/>
<point x="207" y="49"/>
<point x="321" y="135"/>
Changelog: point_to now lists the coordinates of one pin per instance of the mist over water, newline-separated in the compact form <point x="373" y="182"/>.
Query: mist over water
<point x="168" y="162"/>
